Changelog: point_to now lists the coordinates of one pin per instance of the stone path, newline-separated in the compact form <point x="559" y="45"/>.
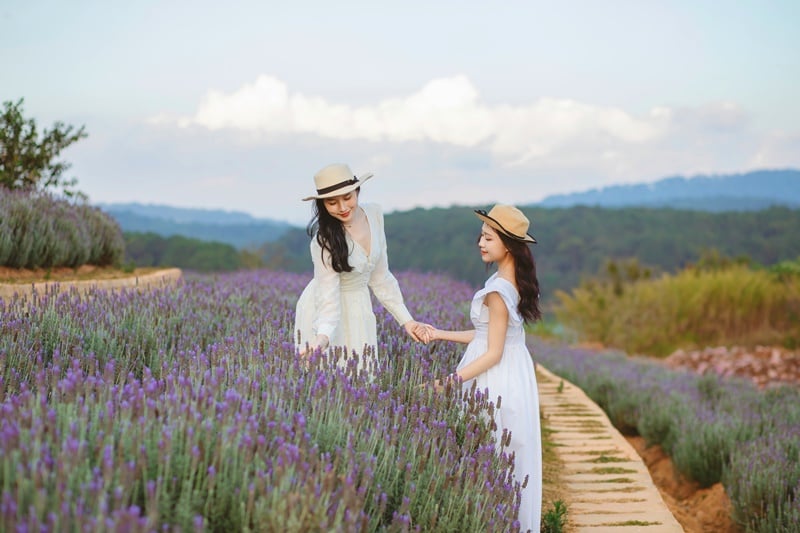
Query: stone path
<point x="608" y="487"/>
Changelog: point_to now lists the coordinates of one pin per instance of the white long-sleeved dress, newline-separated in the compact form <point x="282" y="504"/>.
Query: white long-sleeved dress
<point x="338" y="305"/>
<point x="514" y="380"/>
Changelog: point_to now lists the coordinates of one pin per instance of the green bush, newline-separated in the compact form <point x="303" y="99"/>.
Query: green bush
<point x="38" y="230"/>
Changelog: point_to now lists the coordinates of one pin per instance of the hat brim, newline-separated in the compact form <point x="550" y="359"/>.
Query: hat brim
<point x="481" y="214"/>
<point x="344" y="190"/>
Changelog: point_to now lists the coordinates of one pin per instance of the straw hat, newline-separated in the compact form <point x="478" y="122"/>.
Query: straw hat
<point x="508" y="220"/>
<point x="336" y="179"/>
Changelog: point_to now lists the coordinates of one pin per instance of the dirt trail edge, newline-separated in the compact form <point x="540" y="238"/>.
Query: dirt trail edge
<point x="153" y="279"/>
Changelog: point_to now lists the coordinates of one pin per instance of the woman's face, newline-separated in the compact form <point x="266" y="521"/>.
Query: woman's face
<point x="491" y="246"/>
<point x="342" y="207"/>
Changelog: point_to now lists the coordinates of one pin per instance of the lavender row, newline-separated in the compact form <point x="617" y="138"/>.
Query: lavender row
<point x="185" y="408"/>
<point x="38" y="230"/>
<point x="715" y="430"/>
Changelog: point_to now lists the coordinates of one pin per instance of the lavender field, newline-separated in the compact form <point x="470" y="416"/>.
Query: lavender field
<point x="185" y="409"/>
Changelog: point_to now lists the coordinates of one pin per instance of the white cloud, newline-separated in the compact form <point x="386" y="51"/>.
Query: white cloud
<point x="439" y="145"/>
<point x="777" y="150"/>
<point x="445" y="111"/>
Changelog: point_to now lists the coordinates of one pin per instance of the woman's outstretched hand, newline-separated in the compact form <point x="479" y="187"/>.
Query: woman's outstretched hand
<point x="412" y="328"/>
<point x="424" y="333"/>
<point x="417" y="330"/>
<point x="451" y="380"/>
<point x="320" y="343"/>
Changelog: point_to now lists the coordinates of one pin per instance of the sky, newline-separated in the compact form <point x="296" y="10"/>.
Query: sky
<point x="235" y="105"/>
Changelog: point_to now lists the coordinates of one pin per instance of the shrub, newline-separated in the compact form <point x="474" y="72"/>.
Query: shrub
<point x="38" y="230"/>
<point x="692" y="309"/>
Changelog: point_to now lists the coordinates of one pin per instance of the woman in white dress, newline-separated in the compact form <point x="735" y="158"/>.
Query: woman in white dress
<point x="497" y="357"/>
<point x="348" y="249"/>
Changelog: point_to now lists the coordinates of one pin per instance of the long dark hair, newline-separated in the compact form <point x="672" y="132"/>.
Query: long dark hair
<point x="525" y="274"/>
<point x="330" y="236"/>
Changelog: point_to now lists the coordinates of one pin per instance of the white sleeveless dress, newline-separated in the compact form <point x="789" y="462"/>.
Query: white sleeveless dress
<point x="514" y="380"/>
<point x="339" y="305"/>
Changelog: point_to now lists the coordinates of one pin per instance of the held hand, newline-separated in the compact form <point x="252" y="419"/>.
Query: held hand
<point x="437" y="385"/>
<point x="426" y="332"/>
<point x="414" y="329"/>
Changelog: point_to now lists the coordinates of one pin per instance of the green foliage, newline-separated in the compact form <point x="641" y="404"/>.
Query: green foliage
<point x="149" y="249"/>
<point x="38" y="230"/>
<point x="28" y="161"/>
<point x="554" y="520"/>
<point x="786" y="269"/>
<point x="712" y="260"/>
<point x="574" y="243"/>
<point x="547" y="328"/>
<point x="692" y="309"/>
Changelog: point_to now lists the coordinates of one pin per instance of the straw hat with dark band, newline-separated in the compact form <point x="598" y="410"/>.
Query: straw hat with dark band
<point x="509" y="220"/>
<point x="335" y="180"/>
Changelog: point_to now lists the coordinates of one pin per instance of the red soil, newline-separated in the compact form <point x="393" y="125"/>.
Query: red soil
<point x="697" y="510"/>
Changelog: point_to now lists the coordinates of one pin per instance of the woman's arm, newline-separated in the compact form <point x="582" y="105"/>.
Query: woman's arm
<point x="381" y="280"/>
<point x="462" y="337"/>
<point x="384" y="284"/>
<point x="498" y="327"/>
<point x="327" y="298"/>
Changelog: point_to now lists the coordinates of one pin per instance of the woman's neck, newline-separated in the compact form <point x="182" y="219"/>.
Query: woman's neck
<point x="505" y="269"/>
<point x="358" y="216"/>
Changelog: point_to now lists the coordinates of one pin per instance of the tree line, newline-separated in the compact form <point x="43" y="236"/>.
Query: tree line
<point x="151" y="249"/>
<point x="573" y="243"/>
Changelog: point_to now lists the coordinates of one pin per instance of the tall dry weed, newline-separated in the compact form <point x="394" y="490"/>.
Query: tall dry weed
<point x="691" y="309"/>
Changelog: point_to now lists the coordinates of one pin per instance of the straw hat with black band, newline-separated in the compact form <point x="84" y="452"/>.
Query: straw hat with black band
<point x="509" y="220"/>
<point x="335" y="180"/>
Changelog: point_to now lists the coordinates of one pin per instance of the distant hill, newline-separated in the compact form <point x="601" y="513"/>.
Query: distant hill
<point x="183" y="215"/>
<point x="739" y="193"/>
<point x="751" y="191"/>
<point x="231" y="227"/>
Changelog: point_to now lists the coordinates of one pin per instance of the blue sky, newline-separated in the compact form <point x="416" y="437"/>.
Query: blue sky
<point x="235" y="105"/>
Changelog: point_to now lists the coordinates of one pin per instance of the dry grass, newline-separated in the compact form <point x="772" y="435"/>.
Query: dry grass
<point x="687" y="310"/>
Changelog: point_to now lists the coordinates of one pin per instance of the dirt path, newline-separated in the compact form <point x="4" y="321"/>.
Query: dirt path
<point x="24" y="282"/>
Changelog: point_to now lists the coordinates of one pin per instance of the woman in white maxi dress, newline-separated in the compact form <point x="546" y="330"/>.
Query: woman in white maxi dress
<point x="335" y="308"/>
<point x="497" y="358"/>
<point x="514" y="380"/>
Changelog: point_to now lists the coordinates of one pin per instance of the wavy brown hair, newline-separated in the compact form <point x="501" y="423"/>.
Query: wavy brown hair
<point x="330" y="236"/>
<point x="525" y="274"/>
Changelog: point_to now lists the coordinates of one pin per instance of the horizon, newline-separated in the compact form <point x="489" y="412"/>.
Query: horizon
<point x="236" y="106"/>
<point x="599" y="190"/>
